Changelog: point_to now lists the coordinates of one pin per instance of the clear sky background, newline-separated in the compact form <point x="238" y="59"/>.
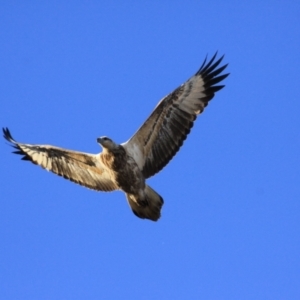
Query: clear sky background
<point x="71" y="71"/>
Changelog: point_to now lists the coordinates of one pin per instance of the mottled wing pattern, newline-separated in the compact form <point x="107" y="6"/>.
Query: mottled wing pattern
<point x="163" y="133"/>
<point x="81" y="168"/>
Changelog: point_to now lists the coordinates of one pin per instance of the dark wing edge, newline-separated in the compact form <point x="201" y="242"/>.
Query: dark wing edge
<point x="7" y="135"/>
<point x="163" y="133"/>
<point x="209" y="74"/>
<point x="78" y="167"/>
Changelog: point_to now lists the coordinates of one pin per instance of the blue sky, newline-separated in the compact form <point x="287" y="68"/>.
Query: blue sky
<point x="73" y="71"/>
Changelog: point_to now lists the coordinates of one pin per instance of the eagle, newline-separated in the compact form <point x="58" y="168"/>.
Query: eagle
<point x="126" y="166"/>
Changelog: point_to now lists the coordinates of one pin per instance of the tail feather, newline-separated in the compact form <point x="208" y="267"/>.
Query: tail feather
<point x="150" y="211"/>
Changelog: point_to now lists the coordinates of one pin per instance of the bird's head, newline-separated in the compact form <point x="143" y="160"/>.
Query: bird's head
<point x="107" y="143"/>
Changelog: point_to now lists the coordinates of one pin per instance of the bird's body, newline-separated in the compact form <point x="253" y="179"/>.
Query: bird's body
<point x="128" y="177"/>
<point x="125" y="171"/>
<point x="127" y="166"/>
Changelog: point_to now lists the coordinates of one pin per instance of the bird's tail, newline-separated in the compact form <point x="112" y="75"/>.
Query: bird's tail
<point x="150" y="210"/>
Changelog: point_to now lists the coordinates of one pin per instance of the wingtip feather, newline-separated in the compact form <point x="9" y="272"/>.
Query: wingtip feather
<point x="7" y="135"/>
<point x="207" y="68"/>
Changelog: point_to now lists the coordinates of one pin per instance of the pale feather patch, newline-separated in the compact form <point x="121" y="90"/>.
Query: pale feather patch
<point x="135" y="151"/>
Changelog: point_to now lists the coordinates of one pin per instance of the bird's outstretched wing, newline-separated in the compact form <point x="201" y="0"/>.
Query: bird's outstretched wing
<point x="82" y="168"/>
<point x="163" y="133"/>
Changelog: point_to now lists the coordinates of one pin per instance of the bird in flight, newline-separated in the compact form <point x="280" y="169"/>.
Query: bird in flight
<point x="126" y="166"/>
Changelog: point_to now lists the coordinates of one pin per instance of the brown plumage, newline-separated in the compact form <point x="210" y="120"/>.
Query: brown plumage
<point x="126" y="166"/>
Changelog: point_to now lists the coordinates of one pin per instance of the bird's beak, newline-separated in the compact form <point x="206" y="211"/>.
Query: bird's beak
<point x="99" y="141"/>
